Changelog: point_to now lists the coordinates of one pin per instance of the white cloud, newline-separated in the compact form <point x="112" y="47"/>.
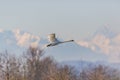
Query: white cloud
<point x="116" y="39"/>
<point x="102" y="44"/>
<point x="1" y="30"/>
<point x="84" y="43"/>
<point x="26" y="39"/>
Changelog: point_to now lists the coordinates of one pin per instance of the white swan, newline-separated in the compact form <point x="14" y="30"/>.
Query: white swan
<point x="54" y="41"/>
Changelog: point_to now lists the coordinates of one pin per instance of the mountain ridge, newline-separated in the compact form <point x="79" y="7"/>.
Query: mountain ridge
<point x="99" y="47"/>
<point x="104" y="41"/>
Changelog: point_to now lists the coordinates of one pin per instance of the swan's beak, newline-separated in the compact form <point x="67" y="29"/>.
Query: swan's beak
<point x="71" y="40"/>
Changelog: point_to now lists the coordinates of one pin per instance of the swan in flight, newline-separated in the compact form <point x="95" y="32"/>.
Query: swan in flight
<point x="54" y="41"/>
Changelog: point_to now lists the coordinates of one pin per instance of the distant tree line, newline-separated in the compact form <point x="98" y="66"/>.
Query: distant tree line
<point x="33" y="65"/>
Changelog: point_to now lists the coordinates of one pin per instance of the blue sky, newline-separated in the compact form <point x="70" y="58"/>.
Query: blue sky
<point x="68" y="18"/>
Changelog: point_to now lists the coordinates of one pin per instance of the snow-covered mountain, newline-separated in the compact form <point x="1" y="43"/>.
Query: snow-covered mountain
<point x="104" y="45"/>
<point x="106" y="31"/>
<point x="17" y="40"/>
<point x="80" y="65"/>
<point x="104" y="41"/>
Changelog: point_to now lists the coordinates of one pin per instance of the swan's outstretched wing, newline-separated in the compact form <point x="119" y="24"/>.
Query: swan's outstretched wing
<point x="52" y="38"/>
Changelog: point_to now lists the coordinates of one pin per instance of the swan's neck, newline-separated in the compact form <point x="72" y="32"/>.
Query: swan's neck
<point x="67" y="41"/>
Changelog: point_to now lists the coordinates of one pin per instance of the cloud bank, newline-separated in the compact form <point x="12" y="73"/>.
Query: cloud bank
<point x="26" y="39"/>
<point x="102" y="43"/>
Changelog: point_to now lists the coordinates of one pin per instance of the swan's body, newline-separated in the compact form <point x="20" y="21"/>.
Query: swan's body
<point x="53" y="40"/>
